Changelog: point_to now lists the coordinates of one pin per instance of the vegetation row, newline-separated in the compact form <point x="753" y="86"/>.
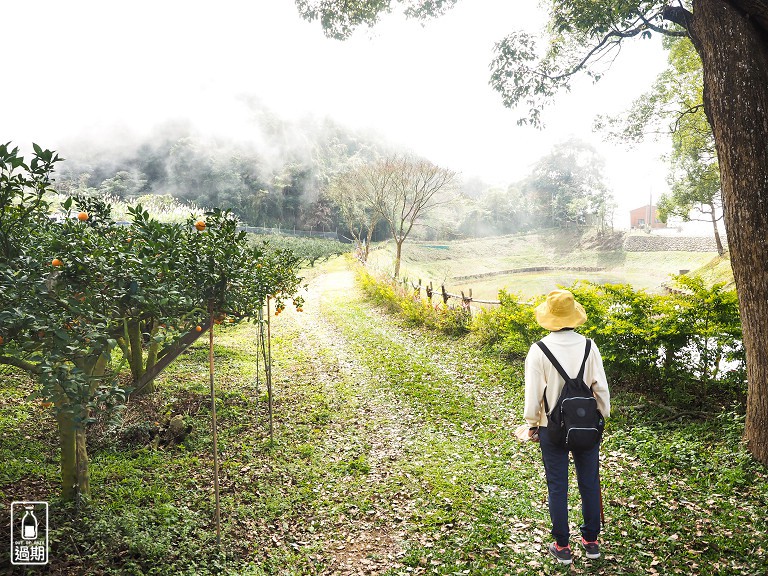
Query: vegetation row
<point x="683" y="347"/>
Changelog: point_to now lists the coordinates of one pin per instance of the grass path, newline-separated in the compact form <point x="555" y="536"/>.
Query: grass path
<point x="428" y="426"/>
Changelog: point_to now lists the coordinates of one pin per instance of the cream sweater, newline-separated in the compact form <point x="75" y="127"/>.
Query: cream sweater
<point x="568" y="347"/>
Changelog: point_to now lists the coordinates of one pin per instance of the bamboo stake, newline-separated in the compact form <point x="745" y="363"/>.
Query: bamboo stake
<point x="258" y="348"/>
<point x="215" y="438"/>
<point x="268" y="369"/>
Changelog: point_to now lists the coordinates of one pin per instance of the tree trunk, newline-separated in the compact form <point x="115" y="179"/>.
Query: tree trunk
<point x="152" y="352"/>
<point x="734" y="54"/>
<point x="75" y="470"/>
<point x="135" y="355"/>
<point x="368" y="241"/>
<point x="75" y="473"/>
<point x="68" y="455"/>
<point x="398" y="253"/>
<point x="718" y="241"/>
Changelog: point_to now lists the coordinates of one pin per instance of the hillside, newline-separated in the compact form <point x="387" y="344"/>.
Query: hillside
<point x="499" y="260"/>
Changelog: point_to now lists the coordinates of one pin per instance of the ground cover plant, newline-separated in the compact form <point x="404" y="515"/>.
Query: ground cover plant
<point x="393" y="454"/>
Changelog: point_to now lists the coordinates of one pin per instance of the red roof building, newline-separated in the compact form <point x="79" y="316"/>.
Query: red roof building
<point x="645" y="217"/>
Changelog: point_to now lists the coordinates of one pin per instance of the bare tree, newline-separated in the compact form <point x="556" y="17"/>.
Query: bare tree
<point x="353" y="192"/>
<point x="409" y="188"/>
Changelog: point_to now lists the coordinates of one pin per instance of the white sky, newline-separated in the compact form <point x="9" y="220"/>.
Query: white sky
<point x="105" y="68"/>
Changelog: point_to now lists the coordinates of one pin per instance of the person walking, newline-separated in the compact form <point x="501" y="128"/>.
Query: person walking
<point x="561" y="314"/>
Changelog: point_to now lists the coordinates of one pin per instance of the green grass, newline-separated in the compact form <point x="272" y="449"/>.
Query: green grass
<point x="642" y="270"/>
<point x="393" y="453"/>
<point x="718" y="270"/>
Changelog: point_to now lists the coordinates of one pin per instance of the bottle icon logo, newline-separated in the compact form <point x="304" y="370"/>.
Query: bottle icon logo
<point x="29" y="524"/>
<point x="29" y="533"/>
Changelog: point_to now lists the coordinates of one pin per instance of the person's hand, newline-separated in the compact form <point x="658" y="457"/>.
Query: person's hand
<point x="533" y="434"/>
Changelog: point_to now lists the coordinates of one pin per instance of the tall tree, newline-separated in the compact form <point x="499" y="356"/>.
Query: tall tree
<point x="406" y="190"/>
<point x="730" y="37"/>
<point x="567" y="185"/>
<point x="695" y="172"/>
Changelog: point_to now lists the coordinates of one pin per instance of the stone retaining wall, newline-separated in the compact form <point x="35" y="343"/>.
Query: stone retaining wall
<point x="651" y="243"/>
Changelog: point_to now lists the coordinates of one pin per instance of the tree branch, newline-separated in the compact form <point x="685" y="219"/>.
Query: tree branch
<point x="610" y="37"/>
<point x="678" y="15"/>
<point x="683" y="113"/>
<point x="18" y="363"/>
<point x="652" y="26"/>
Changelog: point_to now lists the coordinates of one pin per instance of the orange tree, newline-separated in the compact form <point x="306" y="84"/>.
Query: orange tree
<point x="81" y="296"/>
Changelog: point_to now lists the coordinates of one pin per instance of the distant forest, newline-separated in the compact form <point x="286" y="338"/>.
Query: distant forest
<point x="280" y="176"/>
<point x="274" y="179"/>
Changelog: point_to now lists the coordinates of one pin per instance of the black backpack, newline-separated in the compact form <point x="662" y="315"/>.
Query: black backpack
<point x="575" y="422"/>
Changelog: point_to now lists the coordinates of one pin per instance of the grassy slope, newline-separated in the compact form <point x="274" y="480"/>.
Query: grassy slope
<point x="393" y="454"/>
<point x="645" y="270"/>
<point x="717" y="270"/>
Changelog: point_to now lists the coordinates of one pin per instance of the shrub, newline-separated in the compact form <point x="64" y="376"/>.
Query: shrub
<point x="453" y="320"/>
<point x="684" y="347"/>
<point x="308" y="250"/>
<point x="510" y="329"/>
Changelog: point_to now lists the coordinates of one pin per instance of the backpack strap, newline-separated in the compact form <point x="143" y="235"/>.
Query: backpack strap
<point x="587" y="349"/>
<point x="559" y="368"/>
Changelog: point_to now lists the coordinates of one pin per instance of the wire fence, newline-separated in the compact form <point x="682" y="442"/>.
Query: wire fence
<point x="466" y="299"/>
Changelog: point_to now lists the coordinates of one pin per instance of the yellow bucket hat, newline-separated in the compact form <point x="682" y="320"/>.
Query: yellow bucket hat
<point x="559" y="311"/>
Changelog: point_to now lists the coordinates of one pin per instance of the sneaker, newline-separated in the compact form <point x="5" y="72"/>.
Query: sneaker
<point x="561" y="553"/>
<point x="591" y="549"/>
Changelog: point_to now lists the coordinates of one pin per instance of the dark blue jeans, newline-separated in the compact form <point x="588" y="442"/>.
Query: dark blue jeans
<point x="588" y="474"/>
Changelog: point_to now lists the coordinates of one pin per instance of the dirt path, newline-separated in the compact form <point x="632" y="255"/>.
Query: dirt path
<point x="427" y="424"/>
<point x="368" y="543"/>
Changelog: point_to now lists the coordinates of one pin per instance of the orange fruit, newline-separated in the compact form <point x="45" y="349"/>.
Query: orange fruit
<point x="57" y="262"/>
<point x="2" y="340"/>
<point x="200" y="225"/>
<point x="199" y="328"/>
<point x="82" y="216"/>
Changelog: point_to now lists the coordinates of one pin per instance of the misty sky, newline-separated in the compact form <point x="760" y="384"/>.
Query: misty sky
<point x="111" y="71"/>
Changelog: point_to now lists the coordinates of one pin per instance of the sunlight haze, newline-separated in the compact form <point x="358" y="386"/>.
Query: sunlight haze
<point x="111" y="72"/>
